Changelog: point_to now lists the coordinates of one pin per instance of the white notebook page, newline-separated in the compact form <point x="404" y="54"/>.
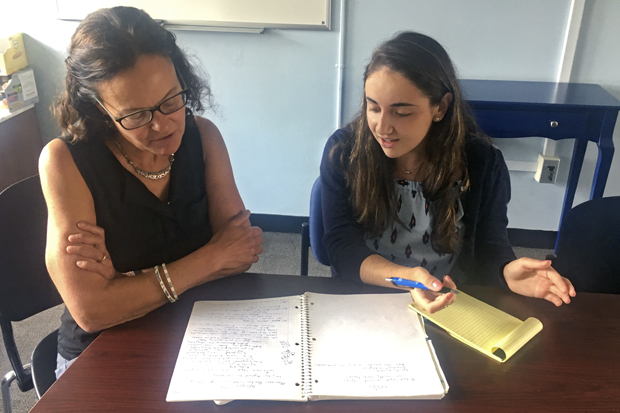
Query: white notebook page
<point x="246" y="349"/>
<point x="369" y="346"/>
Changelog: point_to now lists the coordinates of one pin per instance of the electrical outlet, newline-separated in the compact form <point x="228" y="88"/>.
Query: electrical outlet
<point x="547" y="170"/>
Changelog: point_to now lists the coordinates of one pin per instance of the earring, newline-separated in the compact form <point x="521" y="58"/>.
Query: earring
<point x="437" y="119"/>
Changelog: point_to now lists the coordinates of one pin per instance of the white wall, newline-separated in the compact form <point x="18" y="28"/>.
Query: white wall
<point x="486" y="39"/>
<point x="277" y="91"/>
<point x="598" y="61"/>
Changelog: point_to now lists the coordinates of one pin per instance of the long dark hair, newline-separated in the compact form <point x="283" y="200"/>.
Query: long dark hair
<point x="107" y="42"/>
<point x="370" y="174"/>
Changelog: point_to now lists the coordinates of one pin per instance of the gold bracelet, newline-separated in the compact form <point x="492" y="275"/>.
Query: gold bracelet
<point x="174" y="293"/>
<point x="161" y="283"/>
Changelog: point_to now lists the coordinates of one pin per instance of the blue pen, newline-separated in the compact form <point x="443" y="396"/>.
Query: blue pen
<point x="403" y="282"/>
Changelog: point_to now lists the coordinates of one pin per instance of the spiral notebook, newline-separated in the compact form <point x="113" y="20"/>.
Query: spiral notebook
<point x="487" y="329"/>
<point x="308" y="347"/>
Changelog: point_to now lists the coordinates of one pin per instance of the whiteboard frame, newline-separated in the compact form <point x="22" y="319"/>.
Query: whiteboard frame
<point x="69" y="12"/>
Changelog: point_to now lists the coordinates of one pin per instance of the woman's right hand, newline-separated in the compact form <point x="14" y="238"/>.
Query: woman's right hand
<point x="238" y="245"/>
<point x="376" y="270"/>
<point x="430" y="300"/>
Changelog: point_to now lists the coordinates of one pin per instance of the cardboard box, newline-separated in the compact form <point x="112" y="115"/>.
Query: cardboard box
<point x="12" y="54"/>
<point x="18" y="90"/>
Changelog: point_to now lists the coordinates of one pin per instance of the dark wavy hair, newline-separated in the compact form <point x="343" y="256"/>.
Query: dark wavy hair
<point x="370" y="174"/>
<point x="107" y="42"/>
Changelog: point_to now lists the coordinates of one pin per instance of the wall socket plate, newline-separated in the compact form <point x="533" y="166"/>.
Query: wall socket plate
<point x="547" y="170"/>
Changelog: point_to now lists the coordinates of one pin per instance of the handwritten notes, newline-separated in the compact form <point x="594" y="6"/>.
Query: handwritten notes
<point x="309" y="347"/>
<point x="240" y="349"/>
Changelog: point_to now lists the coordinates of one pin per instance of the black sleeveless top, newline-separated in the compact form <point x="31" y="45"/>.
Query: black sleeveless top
<point x="141" y="231"/>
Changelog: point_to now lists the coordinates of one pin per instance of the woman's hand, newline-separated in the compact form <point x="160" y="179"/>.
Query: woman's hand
<point x="375" y="269"/>
<point x="238" y="244"/>
<point x="534" y="278"/>
<point x="430" y="300"/>
<point x="89" y="246"/>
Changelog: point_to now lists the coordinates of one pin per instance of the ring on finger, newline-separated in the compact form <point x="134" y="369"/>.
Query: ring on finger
<point x="105" y="256"/>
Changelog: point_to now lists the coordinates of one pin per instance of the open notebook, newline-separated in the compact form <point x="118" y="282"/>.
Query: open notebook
<point x="484" y="327"/>
<point x="308" y="347"/>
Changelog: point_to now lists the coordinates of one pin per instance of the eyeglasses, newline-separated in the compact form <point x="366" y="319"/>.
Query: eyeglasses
<point x="143" y="117"/>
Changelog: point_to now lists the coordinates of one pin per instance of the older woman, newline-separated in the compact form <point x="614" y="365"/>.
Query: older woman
<point x="141" y="196"/>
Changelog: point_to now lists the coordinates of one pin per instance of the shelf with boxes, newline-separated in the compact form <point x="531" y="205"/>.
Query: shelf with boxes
<point x="20" y="137"/>
<point x="18" y="89"/>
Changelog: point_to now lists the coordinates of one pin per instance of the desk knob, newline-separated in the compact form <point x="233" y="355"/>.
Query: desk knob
<point x="554" y="124"/>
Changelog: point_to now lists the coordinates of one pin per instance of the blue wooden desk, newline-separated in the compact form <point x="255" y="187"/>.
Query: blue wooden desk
<point x="584" y="112"/>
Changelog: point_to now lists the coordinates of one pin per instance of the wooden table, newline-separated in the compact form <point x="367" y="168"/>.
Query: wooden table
<point x="572" y="365"/>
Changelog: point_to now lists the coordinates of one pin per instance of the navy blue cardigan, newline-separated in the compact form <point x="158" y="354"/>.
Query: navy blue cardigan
<point x="485" y="250"/>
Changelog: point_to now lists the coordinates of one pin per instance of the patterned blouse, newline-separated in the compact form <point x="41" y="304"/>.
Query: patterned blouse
<point x="411" y="246"/>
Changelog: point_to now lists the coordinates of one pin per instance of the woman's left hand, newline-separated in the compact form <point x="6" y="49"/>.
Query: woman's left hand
<point x="90" y="247"/>
<point x="535" y="278"/>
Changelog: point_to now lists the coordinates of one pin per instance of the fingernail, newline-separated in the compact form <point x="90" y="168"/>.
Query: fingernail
<point x="436" y="284"/>
<point x="81" y="263"/>
<point x="448" y="277"/>
<point x="71" y="237"/>
<point x="80" y="224"/>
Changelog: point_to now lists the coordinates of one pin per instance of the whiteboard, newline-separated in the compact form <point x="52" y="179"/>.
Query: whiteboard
<point x="281" y="14"/>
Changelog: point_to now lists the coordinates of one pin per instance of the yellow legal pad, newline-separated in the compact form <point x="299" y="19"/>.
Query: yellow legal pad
<point x="484" y="327"/>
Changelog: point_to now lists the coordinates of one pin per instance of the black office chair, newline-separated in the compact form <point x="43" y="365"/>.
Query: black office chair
<point x="25" y="286"/>
<point x="312" y="231"/>
<point x="588" y="250"/>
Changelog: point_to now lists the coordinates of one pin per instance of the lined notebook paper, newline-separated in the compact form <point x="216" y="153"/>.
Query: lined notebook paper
<point x="484" y="327"/>
<point x="308" y="347"/>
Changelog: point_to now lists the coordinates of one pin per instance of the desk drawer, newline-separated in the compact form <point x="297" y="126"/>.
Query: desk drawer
<point x="524" y="123"/>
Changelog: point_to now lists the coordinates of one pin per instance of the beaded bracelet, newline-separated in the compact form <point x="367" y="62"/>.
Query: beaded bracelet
<point x="174" y="293"/>
<point x="163" y="287"/>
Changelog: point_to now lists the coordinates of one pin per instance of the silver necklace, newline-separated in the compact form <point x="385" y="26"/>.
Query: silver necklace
<point x="149" y="175"/>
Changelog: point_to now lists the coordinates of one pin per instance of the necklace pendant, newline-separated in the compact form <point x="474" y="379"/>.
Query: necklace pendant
<point x="411" y="171"/>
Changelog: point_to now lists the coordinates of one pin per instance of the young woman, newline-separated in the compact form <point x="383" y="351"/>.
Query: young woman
<point x="141" y="196"/>
<point x="411" y="188"/>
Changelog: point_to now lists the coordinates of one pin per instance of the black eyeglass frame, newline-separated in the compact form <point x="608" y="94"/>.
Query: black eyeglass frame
<point x="151" y="110"/>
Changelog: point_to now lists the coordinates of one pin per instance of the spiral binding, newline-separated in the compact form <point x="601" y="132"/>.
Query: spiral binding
<point x="306" y="356"/>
